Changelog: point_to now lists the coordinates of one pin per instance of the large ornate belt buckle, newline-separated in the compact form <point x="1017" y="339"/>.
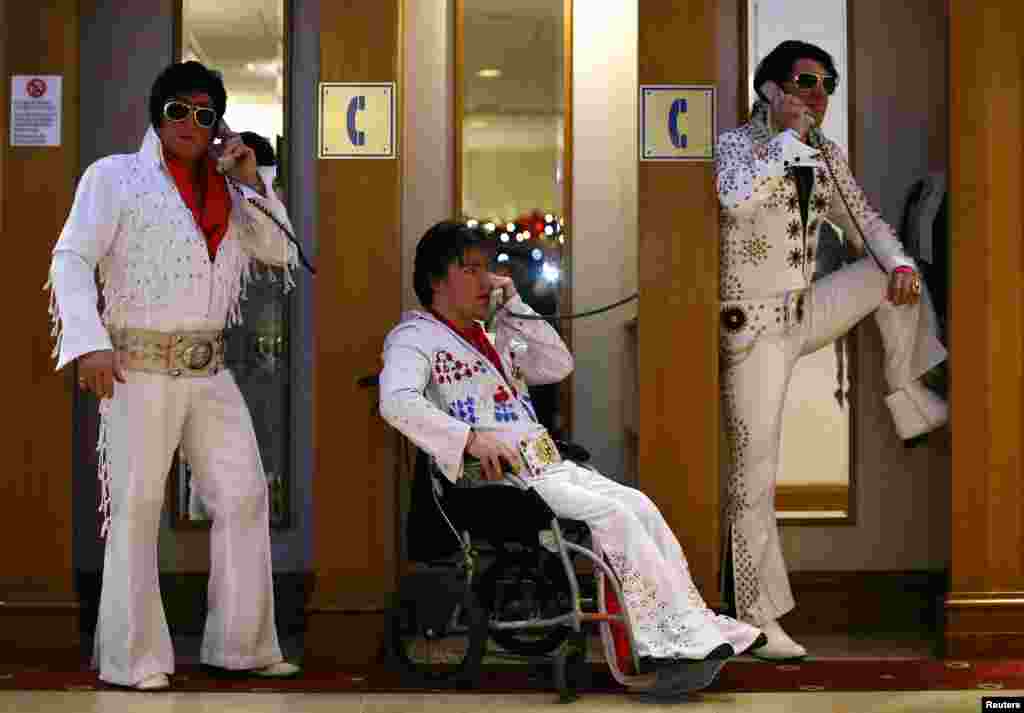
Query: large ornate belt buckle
<point x="538" y="453"/>
<point x="199" y="355"/>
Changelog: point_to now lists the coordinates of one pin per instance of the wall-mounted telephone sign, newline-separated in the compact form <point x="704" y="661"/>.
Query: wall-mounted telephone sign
<point x="358" y="120"/>
<point x="677" y="122"/>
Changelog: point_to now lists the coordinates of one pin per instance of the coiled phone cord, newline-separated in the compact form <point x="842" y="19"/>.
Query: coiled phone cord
<point x="816" y="142"/>
<point x="266" y="212"/>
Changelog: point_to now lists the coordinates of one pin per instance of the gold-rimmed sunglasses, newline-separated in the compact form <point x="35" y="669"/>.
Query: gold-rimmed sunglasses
<point x="806" y="81"/>
<point x="176" y="110"/>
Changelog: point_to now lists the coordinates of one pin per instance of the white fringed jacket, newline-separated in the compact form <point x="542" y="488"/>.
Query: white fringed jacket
<point x="129" y="219"/>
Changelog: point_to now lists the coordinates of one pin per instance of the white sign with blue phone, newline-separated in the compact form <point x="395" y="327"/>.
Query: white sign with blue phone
<point x="358" y="120"/>
<point x="677" y="122"/>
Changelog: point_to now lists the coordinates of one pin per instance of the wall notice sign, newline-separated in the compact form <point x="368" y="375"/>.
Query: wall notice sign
<point x="35" y="110"/>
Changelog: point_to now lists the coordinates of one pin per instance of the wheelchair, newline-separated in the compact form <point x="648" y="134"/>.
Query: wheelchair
<point x="492" y="562"/>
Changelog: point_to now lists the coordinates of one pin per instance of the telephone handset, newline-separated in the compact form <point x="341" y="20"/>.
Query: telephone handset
<point x="221" y="135"/>
<point x="497" y="302"/>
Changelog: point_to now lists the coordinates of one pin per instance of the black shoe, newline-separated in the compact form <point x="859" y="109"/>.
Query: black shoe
<point x="915" y="441"/>
<point x="936" y="379"/>
<point x="683" y="677"/>
<point x="760" y="641"/>
<point x="719" y="653"/>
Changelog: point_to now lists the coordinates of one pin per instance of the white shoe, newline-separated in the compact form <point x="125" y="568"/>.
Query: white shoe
<point x="779" y="647"/>
<point x="156" y="682"/>
<point x="916" y="410"/>
<point x="281" y="669"/>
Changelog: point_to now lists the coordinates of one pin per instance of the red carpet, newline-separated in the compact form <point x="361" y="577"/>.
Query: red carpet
<point x="738" y="676"/>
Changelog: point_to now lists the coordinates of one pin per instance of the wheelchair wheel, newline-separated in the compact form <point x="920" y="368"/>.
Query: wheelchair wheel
<point x="522" y="586"/>
<point x="432" y="651"/>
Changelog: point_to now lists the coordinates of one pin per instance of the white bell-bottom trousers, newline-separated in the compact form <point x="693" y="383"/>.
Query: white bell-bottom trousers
<point x="668" y="615"/>
<point x="145" y="421"/>
<point x="756" y="370"/>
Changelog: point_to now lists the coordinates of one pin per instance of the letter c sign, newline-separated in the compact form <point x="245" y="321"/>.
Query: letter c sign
<point x="677" y="138"/>
<point x="676" y="122"/>
<point x="357" y="104"/>
<point x="358" y="120"/>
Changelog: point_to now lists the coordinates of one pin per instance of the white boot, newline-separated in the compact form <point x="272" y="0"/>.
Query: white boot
<point x="916" y="410"/>
<point x="779" y="647"/>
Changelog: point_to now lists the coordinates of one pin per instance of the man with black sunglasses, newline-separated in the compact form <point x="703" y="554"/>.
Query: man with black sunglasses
<point x="778" y="181"/>
<point x="174" y="241"/>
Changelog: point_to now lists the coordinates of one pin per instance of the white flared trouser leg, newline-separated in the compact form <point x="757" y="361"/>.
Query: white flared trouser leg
<point x="220" y="445"/>
<point x="753" y="397"/>
<point x="143" y="422"/>
<point x="667" y="614"/>
<point x="147" y="419"/>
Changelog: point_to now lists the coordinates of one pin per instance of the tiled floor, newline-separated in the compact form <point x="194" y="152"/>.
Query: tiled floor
<point x="116" y="702"/>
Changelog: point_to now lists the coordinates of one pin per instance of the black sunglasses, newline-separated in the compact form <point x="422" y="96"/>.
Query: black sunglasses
<point x="176" y="110"/>
<point x="806" y="81"/>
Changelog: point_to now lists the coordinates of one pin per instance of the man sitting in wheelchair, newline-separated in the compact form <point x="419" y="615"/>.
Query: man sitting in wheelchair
<point x="453" y="393"/>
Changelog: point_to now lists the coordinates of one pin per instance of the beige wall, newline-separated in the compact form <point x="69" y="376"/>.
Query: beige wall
<point x="605" y="219"/>
<point x="898" y="133"/>
<point x="427" y="127"/>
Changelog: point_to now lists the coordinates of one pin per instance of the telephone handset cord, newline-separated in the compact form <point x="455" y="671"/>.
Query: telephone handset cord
<point x="253" y="202"/>
<point x="577" y="315"/>
<point x="815" y="138"/>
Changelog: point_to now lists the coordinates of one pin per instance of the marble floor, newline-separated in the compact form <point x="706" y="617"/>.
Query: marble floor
<point x="118" y="702"/>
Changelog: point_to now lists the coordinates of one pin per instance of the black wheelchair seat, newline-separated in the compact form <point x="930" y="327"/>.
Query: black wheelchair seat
<point x="496" y="514"/>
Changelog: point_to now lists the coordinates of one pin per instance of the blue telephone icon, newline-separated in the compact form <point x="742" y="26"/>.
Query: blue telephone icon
<point x="357" y="137"/>
<point x="678" y="139"/>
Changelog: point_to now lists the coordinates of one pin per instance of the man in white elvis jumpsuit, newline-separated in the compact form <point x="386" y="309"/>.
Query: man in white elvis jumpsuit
<point x="175" y="244"/>
<point x="453" y="392"/>
<point x="775" y="191"/>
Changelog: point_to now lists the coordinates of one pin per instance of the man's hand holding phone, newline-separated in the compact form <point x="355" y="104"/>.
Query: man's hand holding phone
<point x="504" y="283"/>
<point x="237" y="160"/>
<point x="490" y="452"/>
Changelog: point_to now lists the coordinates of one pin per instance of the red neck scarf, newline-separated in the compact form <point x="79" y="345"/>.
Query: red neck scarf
<point x="476" y="336"/>
<point x="212" y="215"/>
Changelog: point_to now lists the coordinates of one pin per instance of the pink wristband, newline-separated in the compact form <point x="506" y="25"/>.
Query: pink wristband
<point x="904" y="268"/>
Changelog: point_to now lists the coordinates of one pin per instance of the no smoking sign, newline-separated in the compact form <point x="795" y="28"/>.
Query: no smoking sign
<point x="36" y="88"/>
<point x="36" y="110"/>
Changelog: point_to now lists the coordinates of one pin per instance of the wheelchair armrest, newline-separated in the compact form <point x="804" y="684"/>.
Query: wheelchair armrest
<point x="573" y="451"/>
